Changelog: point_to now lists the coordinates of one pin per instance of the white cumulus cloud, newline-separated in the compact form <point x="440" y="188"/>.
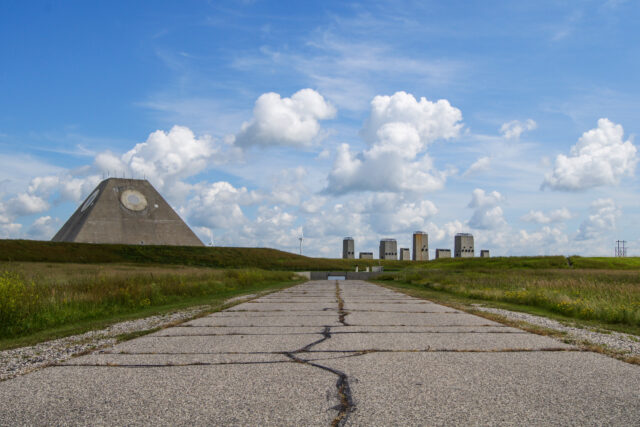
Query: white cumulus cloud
<point x="603" y="214"/>
<point x="398" y="131"/>
<point x="540" y="217"/>
<point x="402" y="123"/>
<point x="601" y="157"/>
<point x="487" y="213"/>
<point x="164" y="158"/>
<point x="218" y="205"/>
<point x="25" y="204"/>
<point x="43" y="228"/>
<point x="515" y="128"/>
<point x="285" y="121"/>
<point x="480" y="165"/>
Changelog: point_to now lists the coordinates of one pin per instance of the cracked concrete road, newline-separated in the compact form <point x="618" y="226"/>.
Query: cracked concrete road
<point x="331" y="353"/>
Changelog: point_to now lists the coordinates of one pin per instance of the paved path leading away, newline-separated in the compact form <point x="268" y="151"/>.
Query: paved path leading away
<point x="323" y="353"/>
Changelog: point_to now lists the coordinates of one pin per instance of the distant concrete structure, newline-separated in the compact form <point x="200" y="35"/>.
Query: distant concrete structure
<point x="388" y="249"/>
<point x="420" y="246"/>
<point x="405" y="255"/>
<point x="443" y="253"/>
<point x="348" y="248"/>
<point x="126" y="211"/>
<point x="463" y="245"/>
<point x="365" y="255"/>
<point x="484" y="253"/>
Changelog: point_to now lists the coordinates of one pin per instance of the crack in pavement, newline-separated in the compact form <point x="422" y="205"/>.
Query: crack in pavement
<point x="342" y="384"/>
<point x="341" y="311"/>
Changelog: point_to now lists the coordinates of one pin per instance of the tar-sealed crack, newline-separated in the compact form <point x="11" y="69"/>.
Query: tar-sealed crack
<point x="346" y="404"/>
<point x="341" y="311"/>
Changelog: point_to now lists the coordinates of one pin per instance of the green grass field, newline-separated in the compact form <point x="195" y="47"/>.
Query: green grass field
<point x="548" y="286"/>
<point x="46" y="300"/>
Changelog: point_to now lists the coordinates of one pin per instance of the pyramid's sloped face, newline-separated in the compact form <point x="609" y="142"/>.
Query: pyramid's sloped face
<point x="127" y="211"/>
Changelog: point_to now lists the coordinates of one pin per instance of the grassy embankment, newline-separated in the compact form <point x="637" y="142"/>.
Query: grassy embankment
<point x="217" y="257"/>
<point x="596" y="292"/>
<point x="41" y="301"/>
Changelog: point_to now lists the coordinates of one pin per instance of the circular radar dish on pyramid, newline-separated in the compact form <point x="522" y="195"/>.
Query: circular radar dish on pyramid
<point x="133" y="200"/>
<point x="89" y="200"/>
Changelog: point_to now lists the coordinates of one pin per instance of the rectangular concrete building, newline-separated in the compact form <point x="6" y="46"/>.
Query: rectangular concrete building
<point x="348" y="248"/>
<point x="463" y="246"/>
<point x="484" y="253"/>
<point x="420" y="246"/>
<point x="405" y="254"/>
<point x="443" y="253"/>
<point x="366" y="255"/>
<point x="388" y="249"/>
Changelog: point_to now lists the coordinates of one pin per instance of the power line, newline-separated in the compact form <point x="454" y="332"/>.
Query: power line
<point x="621" y="249"/>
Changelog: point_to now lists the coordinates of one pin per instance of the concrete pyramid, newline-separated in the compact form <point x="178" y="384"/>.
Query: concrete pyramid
<point x="127" y="211"/>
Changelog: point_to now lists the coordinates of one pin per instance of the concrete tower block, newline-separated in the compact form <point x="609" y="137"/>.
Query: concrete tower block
<point x="420" y="246"/>
<point x="348" y="248"/>
<point x="463" y="245"/>
<point x="404" y="254"/>
<point x="443" y="253"/>
<point x="388" y="249"/>
<point x="126" y="211"/>
<point x="484" y="253"/>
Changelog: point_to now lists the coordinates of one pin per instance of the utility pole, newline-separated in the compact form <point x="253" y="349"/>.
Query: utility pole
<point x="621" y="249"/>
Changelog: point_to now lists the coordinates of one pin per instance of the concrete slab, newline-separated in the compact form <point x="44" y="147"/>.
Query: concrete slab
<point x="276" y="313"/>
<point x="215" y="344"/>
<point x="306" y="300"/>
<point x="539" y="388"/>
<point x="284" y="306"/>
<point x="427" y="329"/>
<point x="119" y="359"/>
<point x="237" y="330"/>
<point x="408" y="308"/>
<point x="266" y="321"/>
<point x="416" y="319"/>
<point x="271" y="394"/>
<point x="440" y="341"/>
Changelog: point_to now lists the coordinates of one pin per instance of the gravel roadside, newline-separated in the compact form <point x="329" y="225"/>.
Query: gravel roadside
<point x="626" y="343"/>
<point x="19" y="361"/>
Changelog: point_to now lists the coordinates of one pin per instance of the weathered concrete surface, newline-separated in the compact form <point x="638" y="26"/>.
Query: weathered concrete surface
<point x="518" y="388"/>
<point x="323" y="352"/>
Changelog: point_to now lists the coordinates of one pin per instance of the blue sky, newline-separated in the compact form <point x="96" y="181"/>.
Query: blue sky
<point x="260" y="121"/>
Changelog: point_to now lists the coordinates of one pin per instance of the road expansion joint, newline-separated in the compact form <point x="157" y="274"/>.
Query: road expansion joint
<point x="353" y="353"/>
<point x="423" y="332"/>
<point x="166" y="365"/>
<point x="404" y="312"/>
<point x="234" y="334"/>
